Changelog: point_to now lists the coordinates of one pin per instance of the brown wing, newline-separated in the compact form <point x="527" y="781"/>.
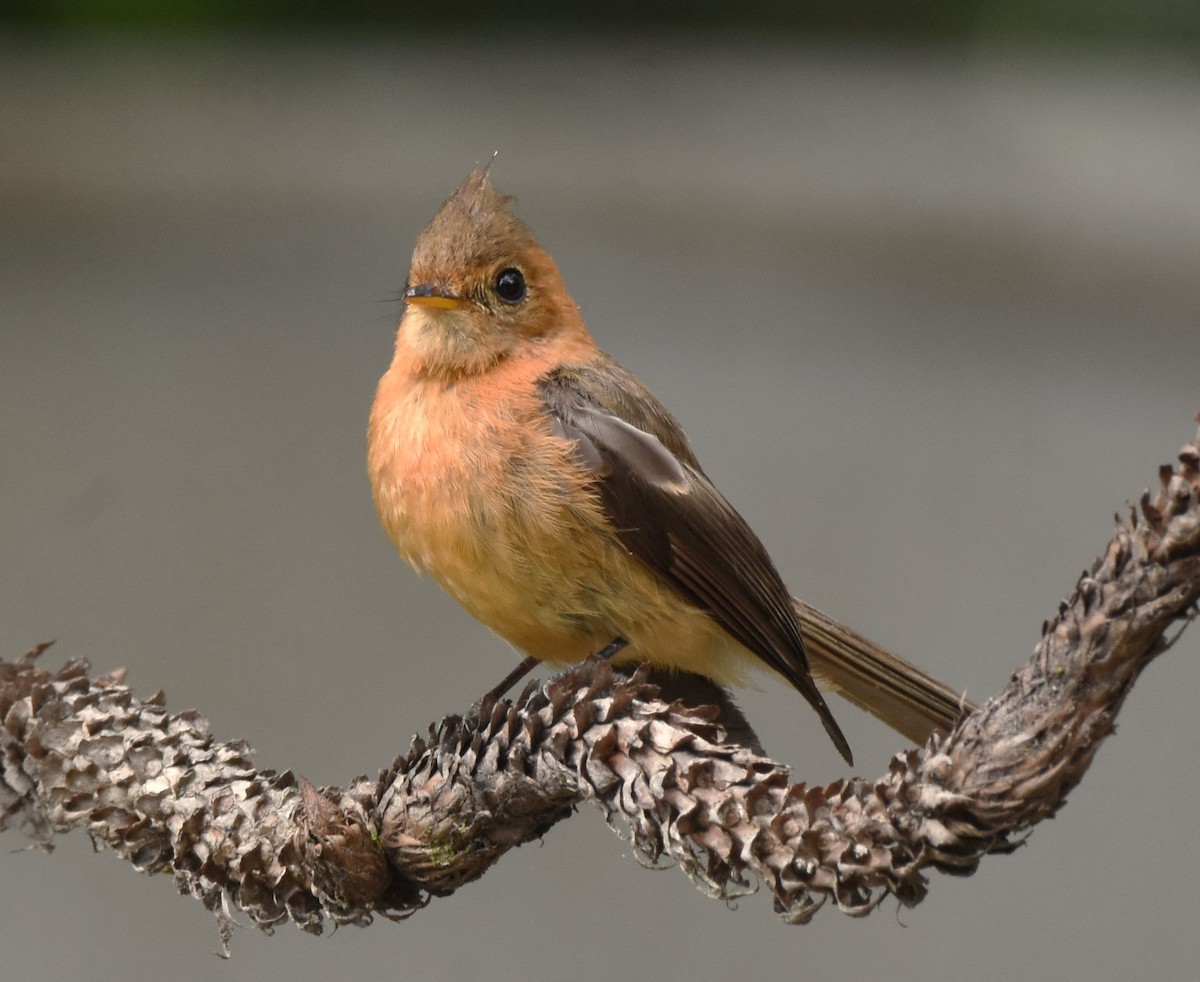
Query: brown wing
<point x="669" y="515"/>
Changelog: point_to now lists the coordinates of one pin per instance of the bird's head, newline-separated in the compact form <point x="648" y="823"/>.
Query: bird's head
<point x="480" y="287"/>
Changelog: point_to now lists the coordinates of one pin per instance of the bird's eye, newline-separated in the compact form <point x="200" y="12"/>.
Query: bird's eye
<point x="510" y="285"/>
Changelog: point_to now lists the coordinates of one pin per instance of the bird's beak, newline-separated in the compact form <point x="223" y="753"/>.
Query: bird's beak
<point x="427" y="295"/>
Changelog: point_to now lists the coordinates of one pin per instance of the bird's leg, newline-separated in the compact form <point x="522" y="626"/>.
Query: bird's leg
<point x="610" y="650"/>
<point x="513" y="677"/>
<point x="528" y="664"/>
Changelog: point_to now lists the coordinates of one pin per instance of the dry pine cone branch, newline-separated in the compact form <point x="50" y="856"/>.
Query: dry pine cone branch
<point x="161" y="792"/>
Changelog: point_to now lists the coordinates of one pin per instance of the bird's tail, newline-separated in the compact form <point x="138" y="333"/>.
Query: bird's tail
<point x="909" y="700"/>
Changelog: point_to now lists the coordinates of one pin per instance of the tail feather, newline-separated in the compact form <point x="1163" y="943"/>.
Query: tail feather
<point x="903" y="696"/>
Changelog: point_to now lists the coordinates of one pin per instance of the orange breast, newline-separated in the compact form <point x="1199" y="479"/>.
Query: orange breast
<point x="473" y="488"/>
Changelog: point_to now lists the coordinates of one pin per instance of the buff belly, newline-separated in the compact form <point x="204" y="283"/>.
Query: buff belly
<point x="516" y="535"/>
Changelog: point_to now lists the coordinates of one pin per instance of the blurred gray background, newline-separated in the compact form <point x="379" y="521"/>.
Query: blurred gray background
<point x="930" y="314"/>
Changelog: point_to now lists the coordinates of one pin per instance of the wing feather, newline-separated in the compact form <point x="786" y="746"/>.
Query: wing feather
<point x="670" y="516"/>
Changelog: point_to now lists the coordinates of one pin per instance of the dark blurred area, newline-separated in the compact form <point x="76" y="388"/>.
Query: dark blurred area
<point x="1176" y="22"/>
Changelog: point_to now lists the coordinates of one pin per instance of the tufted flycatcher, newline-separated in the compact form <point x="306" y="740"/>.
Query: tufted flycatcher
<point x="554" y="497"/>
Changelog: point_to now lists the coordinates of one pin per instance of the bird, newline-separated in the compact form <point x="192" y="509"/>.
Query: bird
<point x="550" y="493"/>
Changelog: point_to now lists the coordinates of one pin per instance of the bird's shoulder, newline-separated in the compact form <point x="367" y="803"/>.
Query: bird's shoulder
<point x="601" y="390"/>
